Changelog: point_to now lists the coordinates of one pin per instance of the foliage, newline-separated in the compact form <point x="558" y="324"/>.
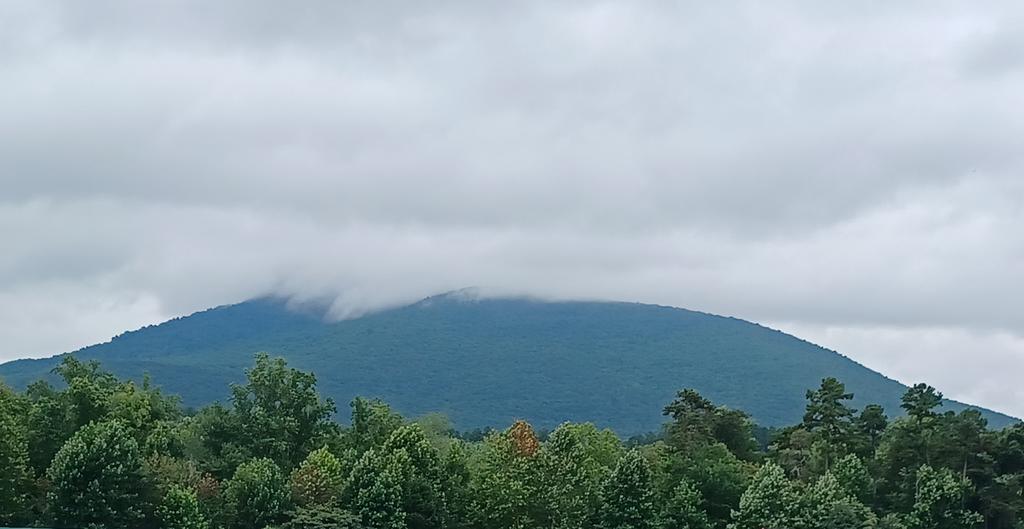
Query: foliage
<point x="257" y="494"/>
<point x="322" y="516"/>
<point x="143" y="462"/>
<point x="180" y="510"/>
<point x="627" y="498"/>
<point x="15" y="473"/>
<point x="280" y="412"/>
<point x="771" y="501"/>
<point x="318" y="480"/>
<point x="96" y="478"/>
<point x="827" y="505"/>
<point x="374" y="490"/>
<point x="684" y="509"/>
<point x="938" y="503"/>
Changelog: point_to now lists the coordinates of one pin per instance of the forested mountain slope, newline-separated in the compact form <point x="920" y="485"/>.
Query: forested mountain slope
<point x="487" y="362"/>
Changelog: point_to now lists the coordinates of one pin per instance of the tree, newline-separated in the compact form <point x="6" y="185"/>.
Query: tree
<point x="684" y="509"/>
<point x="373" y="422"/>
<point x="375" y="489"/>
<point x="577" y="458"/>
<point x="696" y="422"/>
<point x="920" y="402"/>
<point x="719" y="475"/>
<point x="770" y="502"/>
<point x="422" y="499"/>
<point x="828" y="417"/>
<point x="628" y="496"/>
<point x="257" y="494"/>
<point x="827" y="505"/>
<point x="15" y="474"/>
<point x="49" y="424"/>
<point x="96" y="478"/>
<point x="280" y="412"/>
<point x="179" y="509"/>
<point x="318" y="480"/>
<point x="868" y="427"/>
<point x="317" y="516"/>
<point x="938" y="502"/>
<point x="507" y="486"/>
<point x="854" y="478"/>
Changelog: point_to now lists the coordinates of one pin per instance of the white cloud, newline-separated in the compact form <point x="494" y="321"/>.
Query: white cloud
<point x="825" y="165"/>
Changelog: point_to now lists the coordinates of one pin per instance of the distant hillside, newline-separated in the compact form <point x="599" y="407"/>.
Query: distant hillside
<point x="486" y="362"/>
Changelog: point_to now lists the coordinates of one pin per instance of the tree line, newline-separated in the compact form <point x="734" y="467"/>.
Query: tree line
<point x="103" y="452"/>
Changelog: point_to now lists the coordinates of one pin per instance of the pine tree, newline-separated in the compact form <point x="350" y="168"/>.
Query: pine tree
<point x="769" y="503"/>
<point x="628" y="496"/>
<point x="828" y="418"/>
<point x="96" y="478"/>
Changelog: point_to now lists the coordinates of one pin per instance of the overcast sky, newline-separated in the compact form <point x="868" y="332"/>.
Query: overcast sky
<point x="850" y="172"/>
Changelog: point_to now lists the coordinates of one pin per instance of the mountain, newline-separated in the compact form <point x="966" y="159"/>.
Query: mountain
<point x="485" y="362"/>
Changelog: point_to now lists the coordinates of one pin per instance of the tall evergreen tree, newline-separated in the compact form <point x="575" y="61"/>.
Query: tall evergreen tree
<point x="920" y="402"/>
<point x="828" y="418"/>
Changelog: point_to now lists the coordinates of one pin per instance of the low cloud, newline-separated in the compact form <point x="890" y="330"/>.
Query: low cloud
<point x="852" y="173"/>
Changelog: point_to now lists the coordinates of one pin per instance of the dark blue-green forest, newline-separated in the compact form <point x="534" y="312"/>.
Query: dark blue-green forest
<point x="488" y="362"/>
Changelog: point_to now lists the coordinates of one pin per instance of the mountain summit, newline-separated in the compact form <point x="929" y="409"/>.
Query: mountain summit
<point x="486" y="362"/>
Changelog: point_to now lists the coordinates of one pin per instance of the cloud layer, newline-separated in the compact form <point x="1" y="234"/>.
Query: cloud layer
<point x="847" y="172"/>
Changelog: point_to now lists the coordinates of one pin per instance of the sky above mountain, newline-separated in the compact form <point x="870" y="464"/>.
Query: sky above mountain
<point x="847" y="172"/>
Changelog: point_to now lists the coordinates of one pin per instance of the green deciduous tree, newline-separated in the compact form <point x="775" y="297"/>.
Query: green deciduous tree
<point x="15" y="473"/>
<point x="827" y="505"/>
<point x="373" y="422"/>
<point x="179" y="509"/>
<point x="257" y="495"/>
<point x="329" y="516"/>
<point x="96" y="479"/>
<point x="280" y="413"/>
<point x="507" y="486"/>
<point x="771" y="502"/>
<point x="684" y="509"/>
<point x="627" y="497"/>
<point x="318" y="480"/>
<point x="938" y="502"/>
<point x="855" y="479"/>
<point x="375" y="492"/>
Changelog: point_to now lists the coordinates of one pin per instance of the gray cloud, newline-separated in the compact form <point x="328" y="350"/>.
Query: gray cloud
<point x="850" y="170"/>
